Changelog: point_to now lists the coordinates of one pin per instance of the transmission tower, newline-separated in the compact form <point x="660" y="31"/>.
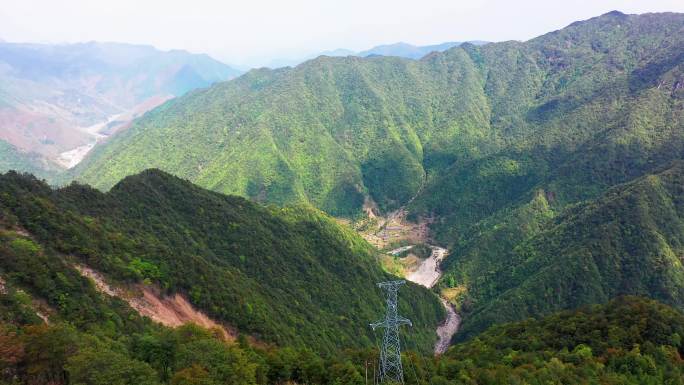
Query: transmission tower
<point x="391" y="370"/>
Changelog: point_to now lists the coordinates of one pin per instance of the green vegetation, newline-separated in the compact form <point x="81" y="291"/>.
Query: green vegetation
<point x="554" y="170"/>
<point x="13" y="159"/>
<point x="290" y="276"/>
<point x="574" y="112"/>
<point x="628" y="241"/>
<point x="30" y="271"/>
<point x="627" y="341"/>
<point x="518" y="147"/>
<point x="61" y="355"/>
<point x="420" y="250"/>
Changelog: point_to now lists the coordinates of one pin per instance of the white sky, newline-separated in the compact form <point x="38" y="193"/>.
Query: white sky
<point x="255" y="32"/>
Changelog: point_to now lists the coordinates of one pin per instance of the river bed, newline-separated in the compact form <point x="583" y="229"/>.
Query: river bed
<point x="427" y="274"/>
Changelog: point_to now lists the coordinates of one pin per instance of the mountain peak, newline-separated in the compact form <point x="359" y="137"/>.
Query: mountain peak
<point x="614" y="14"/>
<point x="608" y="16"/>
<point x="150" y="175"/>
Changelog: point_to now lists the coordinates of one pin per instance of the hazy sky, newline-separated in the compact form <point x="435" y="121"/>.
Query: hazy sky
<point x="253" y="32"/>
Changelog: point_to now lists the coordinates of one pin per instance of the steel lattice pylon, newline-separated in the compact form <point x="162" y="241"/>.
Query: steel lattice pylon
<point x="391" y="370"/>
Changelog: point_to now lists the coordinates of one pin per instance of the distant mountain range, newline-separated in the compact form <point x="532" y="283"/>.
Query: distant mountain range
<point x="412" y="51"/>
<point x="57" y="100"/>
<point x="400" y="49"/>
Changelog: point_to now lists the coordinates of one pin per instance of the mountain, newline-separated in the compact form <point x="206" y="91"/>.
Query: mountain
<point x="627" y="341"/>
<point x="338" y="52"/>
<point x="532" y="261"/>
<point x="400" y="49"/>
<point x="630" y="340"/>
<point x="511" y="136"/>
<point x="57" y="100"/>
<point x="13" y="159"/>
<point x="572" y="112"/>
<point x="501" y="119"/>
<point x="410" y="51"/>
<point x="288" y="276"/>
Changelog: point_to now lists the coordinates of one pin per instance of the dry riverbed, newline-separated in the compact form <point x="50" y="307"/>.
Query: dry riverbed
<point x="427" y="273"/>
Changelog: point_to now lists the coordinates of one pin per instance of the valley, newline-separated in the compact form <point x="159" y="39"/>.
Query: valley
<point x="191" y="241"/>
<point x="103" y="130"/>
<point x="58" y="101"/>
<point x="394" y="229"/>
<point x="70" y="158"/>
<point x="166" y="219"/>
<point x="427" y="274"/>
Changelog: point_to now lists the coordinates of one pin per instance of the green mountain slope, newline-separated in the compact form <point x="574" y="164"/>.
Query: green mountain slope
<point x="627" y="341"/>
<point x="628" y="241"/>
<point x="302" y="142"/>
<point x="290" y="275"/>
<point x="408" y="51"/>
<point x="499" y="143"/>
<point x="576" y="110"/>
<point x="330" y="131"/>
<point x="13" y="159"/>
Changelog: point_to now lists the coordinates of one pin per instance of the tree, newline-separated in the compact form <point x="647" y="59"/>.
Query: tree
<point x="11" y="352"/>
<point x="105" y="367"/>
<point x="194" y="375"/>
<point x="225" y="364"/>
<point x="158" y="350"/>
<point x="47" y="350"/>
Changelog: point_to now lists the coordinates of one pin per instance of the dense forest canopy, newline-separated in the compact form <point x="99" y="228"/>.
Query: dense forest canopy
<point x="287" y="275"/>
<point x="573" y="111"/>
<point x="628" y="341"/>
<point x="551" y="169"/>
<point x="511" y="149"/>
<point x="630" y="240"/>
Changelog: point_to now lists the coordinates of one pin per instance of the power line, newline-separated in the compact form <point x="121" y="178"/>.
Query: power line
<point x="391" y="370"/>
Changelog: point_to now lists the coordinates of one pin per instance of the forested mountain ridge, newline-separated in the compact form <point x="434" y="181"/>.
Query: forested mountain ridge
<point x="630" y="240"/>
<point x="498" y="142"/>
<point x="578" y="110"/>
<point x="626" y="341"/>
<point x="289" y="276"/>
<point x="537" y="187"/>
<point x="574" y="112"/>
<point x="402" y="49"/>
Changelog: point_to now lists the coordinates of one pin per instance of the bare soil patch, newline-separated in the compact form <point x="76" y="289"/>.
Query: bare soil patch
<point x="172" y="311"/>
